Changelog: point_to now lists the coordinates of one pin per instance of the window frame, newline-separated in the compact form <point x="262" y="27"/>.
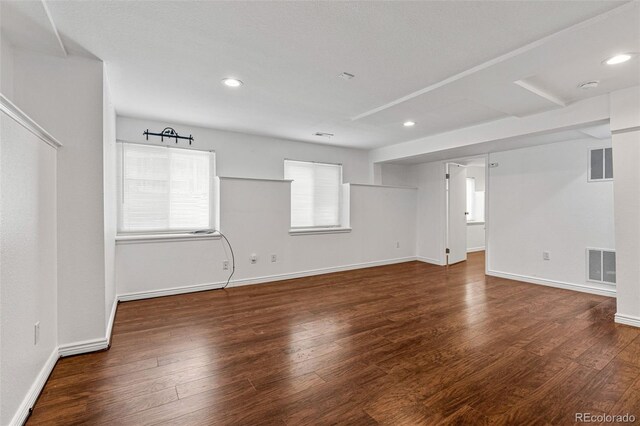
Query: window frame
<point x="340" y="227"/>
<point x="604" y="164"/>
<point x="177" y="232"/>
<point x="470" y="211"/>
<point x="472" y="216"/>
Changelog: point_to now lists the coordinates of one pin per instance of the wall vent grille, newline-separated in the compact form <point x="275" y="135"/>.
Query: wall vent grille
<point x="600" y="164"/>
<point x="601" y="266"/>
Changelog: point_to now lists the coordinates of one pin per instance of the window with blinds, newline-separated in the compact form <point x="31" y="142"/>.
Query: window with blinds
<point x="315" y="193"/>
<point x="164" y="189"/>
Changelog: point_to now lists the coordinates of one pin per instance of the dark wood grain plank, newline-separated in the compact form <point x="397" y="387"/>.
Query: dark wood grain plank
<point x="403" y="344"/>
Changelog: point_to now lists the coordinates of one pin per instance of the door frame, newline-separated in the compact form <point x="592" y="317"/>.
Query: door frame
<point x="487" y="214"/>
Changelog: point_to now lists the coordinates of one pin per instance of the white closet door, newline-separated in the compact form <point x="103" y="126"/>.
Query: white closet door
<point x="456" y="214"/>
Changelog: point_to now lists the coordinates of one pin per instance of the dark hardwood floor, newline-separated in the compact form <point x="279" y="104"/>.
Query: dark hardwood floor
<point x="402" y="344"/>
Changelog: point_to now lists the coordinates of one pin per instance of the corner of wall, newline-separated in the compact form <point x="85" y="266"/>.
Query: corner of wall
<point x="110" y="195"/>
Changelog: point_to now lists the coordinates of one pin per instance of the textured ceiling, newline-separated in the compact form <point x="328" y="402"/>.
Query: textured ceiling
<point x="425" y="61"/>
<point x="27" y="26"/>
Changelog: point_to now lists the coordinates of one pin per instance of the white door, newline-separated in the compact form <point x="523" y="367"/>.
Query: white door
<point x="456" y="213"/>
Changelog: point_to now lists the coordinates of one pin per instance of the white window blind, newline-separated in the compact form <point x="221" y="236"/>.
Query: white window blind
<point x="315" y="193"/>
<point x="164" y="189"/>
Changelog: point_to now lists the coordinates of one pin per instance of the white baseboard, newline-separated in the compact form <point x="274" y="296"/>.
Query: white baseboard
<point x="259" y="280"/>
<point x="627" y="320"/>
<point x="61" y="351"/>
<point x="30" y="399"/>
<point x="112" y="319"/>
<point x="84" y="347"/>
<point x="92" y="345"/>
<point x="474" y="249"/>
<point x="552" y="283"/>
<point x="58" y="352"/>
<point x="430" y="260"/>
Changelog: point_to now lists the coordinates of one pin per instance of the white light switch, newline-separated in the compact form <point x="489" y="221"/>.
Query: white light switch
<point x="36" y="333"/>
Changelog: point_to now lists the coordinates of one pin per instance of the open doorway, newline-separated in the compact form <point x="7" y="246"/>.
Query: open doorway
<point x="465" y="204"/>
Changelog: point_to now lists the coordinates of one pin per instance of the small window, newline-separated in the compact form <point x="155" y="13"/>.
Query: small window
<point x="164" y="189"/>
<point x="315" y="193"/>
<point x="601" y="266"/>
<point x="600" y="164"/>
<point x="475" y="202"/>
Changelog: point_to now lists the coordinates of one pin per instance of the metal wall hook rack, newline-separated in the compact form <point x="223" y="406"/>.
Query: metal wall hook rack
<point x="168" y="132"/>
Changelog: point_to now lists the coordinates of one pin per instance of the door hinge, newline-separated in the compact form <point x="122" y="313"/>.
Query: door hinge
<point x="446" y="175"/>
<point x="446" y="251"/>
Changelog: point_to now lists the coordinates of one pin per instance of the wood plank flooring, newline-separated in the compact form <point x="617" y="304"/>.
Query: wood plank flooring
<point x="403" y="344"/>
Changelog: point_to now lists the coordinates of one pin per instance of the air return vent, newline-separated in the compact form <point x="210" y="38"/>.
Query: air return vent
<point x="324" y="134"/>
<point x="601" y="266"/>
<point x="600" y="164"/>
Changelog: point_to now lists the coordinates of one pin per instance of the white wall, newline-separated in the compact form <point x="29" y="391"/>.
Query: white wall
<point x="64" y="95"/>
<point x="430" y="216"/>
<point x="245" y="155"/>
<point x="475" y="237"/>
<point x="6" y="67"/>
<point x="398" y="174"/>
<point x="27" y="261"/>
<point x="540" y="200"/>
<point x="255" y="217"/>
<point x="625" y="122"/>
<point x="110" y="191"/>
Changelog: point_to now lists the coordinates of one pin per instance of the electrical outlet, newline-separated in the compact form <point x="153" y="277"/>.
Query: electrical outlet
<point x="36" y="333"/>
<point x="397" y="244"/>
<point x="274" y="258"/>
<point x="254" y="259"/>
<point x="546" y="255"/>
<point x="225" y="265"/>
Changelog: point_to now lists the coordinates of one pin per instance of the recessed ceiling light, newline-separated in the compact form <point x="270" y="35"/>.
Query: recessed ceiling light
<point x="232" y="82"/>
<point x="409" y="123"/>
<point x="618" y="59"/>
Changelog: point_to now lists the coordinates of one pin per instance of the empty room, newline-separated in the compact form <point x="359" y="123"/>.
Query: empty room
<point x="319" y="212"/>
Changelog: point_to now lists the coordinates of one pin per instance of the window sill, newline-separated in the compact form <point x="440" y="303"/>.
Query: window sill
<point x="312" y="231"/>
<point x="159" y="238"/>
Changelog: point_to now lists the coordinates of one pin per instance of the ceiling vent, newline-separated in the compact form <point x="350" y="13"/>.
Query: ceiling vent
<point x="323" y="134"/>
<point x="346" y="76"/>
<point x="589" y="85"/>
